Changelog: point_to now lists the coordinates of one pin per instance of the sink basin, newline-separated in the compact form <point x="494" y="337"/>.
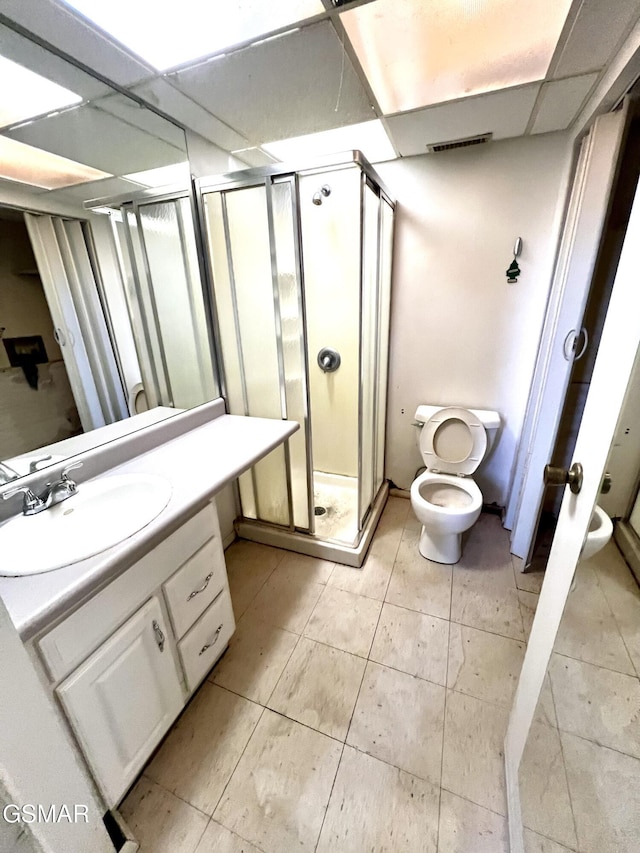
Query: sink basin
<point x="103" y="513"/>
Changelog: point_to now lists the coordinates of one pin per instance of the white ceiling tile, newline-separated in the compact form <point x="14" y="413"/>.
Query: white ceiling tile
<point x="560" y="101"/>
<point x="161" y="94"/>
<point x="292" y="85"/>
<point x="7" y="188"/>
<point x="89" y="135"/>
<point x="41" y="61"/>
<point x="108" y="188"/>
<point x="255" y="157"/>
<point x="595" y="34"/>
<point x="504" y="114"/>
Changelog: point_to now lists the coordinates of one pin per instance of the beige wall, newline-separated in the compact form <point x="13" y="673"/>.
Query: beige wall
<point x="459" y="333"/>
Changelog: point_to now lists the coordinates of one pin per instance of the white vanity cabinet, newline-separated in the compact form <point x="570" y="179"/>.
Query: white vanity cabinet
<point x="124" y="663"/>
<point x="123" y="699"/>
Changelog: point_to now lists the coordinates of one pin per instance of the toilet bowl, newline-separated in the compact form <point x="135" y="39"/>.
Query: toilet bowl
<point x="445" y="499"/>
<point x="599" y="533"/>
<point x="446" y="506"/>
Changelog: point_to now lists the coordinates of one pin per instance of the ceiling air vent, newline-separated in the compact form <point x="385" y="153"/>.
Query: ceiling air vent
<point x="459" y="143"/>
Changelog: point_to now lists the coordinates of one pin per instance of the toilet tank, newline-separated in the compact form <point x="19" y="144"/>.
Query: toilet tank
<point x="490" y="420"/>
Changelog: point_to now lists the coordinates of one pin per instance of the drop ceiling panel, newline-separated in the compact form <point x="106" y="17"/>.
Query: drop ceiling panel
<point x="109" y="188"/>
<point x="47" y="64"/>
<point x="138" y="116"/>
<point x="503" y="113"/>
<point x="292" y="85"/>
<point x="89" y="135"/>
<point x="255" y="157"/>
<point x="65" y="30"/>
<point x="170" y="34"/>
<point x="560" y="101"/>
<point x="418" y="53"/>
<point x="167" y="98"/>
<point x="597" y="30"/>
<point x="8" y="188"/>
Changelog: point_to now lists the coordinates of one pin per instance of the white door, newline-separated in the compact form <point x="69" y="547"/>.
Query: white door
<point x="123" y="699"/>
<point x="563" y="321"/>
<point x="613" y="366"/>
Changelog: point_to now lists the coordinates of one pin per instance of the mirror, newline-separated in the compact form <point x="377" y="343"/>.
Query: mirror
<point x="90" y="304"/>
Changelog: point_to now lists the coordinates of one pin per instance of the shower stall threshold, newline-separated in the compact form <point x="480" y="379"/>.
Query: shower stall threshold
<point x="305" y="543"/>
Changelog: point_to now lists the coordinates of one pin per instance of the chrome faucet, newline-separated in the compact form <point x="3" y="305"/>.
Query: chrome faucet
<point x="54" y="493"/>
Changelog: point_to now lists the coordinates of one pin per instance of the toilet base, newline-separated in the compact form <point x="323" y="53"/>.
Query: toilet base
<point x="445" y="549"/>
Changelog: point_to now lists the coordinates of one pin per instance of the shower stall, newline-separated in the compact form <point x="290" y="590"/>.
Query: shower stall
<point x="300" y="267"/>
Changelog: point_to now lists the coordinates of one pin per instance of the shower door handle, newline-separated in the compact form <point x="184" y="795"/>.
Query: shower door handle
<point x="328" y="359"/>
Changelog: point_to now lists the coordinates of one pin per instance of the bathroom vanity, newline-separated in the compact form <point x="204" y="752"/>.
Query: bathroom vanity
<point x="121" y="640"/>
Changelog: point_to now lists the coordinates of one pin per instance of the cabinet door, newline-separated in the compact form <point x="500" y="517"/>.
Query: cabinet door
<point x="123" y="699"/>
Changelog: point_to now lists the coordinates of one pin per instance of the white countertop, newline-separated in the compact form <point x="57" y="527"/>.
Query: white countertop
<point x="198" y="464"/>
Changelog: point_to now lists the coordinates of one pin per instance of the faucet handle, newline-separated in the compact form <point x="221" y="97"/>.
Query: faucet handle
<point x="67" y="468"/>
<point x="31" y="502"/>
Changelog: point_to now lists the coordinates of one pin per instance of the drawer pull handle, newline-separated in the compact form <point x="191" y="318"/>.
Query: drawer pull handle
<point x="212" y="643"/>
<point x="202" y="588"/>
<point x="159" y="635"/>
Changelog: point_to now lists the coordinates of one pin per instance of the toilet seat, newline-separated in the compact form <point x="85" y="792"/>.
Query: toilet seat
<point x="453" y="441"/>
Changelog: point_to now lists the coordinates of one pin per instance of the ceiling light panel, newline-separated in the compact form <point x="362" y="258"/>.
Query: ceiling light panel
<point x="416" y="54"/>
<point x="28" y="165"/>
<point x="178" y="173"/>
<point x="24" y="94"/>
<point x="369" y="137"/>
<point x="166" y="33"/>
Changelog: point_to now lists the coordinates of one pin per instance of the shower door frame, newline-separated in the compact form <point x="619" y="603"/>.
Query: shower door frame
<point x="266" y="176"/>
<point x="242" y="181"/>
<point x="158" y="375"/>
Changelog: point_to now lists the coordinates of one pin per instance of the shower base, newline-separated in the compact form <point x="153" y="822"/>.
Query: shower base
<point x="314" y="545"/>
<point x="338" y="497"/>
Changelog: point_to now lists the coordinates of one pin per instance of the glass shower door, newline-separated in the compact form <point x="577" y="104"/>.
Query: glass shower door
<point x="256" y="283"/>
<point x="330" y="226"/>
<point x="164" y="294"/>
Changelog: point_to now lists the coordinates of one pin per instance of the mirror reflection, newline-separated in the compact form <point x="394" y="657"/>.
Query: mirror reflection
<point x="91" y="303"/>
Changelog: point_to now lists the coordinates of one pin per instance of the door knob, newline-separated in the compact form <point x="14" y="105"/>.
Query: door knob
<point x="554" y="476"/>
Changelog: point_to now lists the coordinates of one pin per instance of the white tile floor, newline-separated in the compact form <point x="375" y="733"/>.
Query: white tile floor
<point x="594" y="756"/>
<point x="365" y="710"/>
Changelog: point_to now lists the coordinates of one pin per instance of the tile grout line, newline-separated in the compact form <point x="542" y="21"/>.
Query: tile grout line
<point x="597" y="665"/>
<point x="564" y="766"/>
<point x="235" y="767"/>
<point x="444" y="715"/>
<point x="355" y="705"/>
<point x="615" y="619"/>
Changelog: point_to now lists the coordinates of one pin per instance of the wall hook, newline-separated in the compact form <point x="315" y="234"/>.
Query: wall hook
<point x="514" y="270"/>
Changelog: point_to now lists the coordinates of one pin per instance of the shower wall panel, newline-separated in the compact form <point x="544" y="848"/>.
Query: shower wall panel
<point x="331" y="263"/>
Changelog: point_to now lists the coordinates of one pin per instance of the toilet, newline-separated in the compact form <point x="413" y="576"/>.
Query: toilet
<point x="599" y="532"/>
<point x="453" y="442"/>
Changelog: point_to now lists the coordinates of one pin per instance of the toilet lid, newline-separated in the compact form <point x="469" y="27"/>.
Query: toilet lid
<point x="453" y="441"/>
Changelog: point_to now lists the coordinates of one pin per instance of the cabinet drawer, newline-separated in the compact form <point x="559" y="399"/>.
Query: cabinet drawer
<point x="195" y="585"/>
<point x="78" y="635"/>
<point x="206" y="641"/>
